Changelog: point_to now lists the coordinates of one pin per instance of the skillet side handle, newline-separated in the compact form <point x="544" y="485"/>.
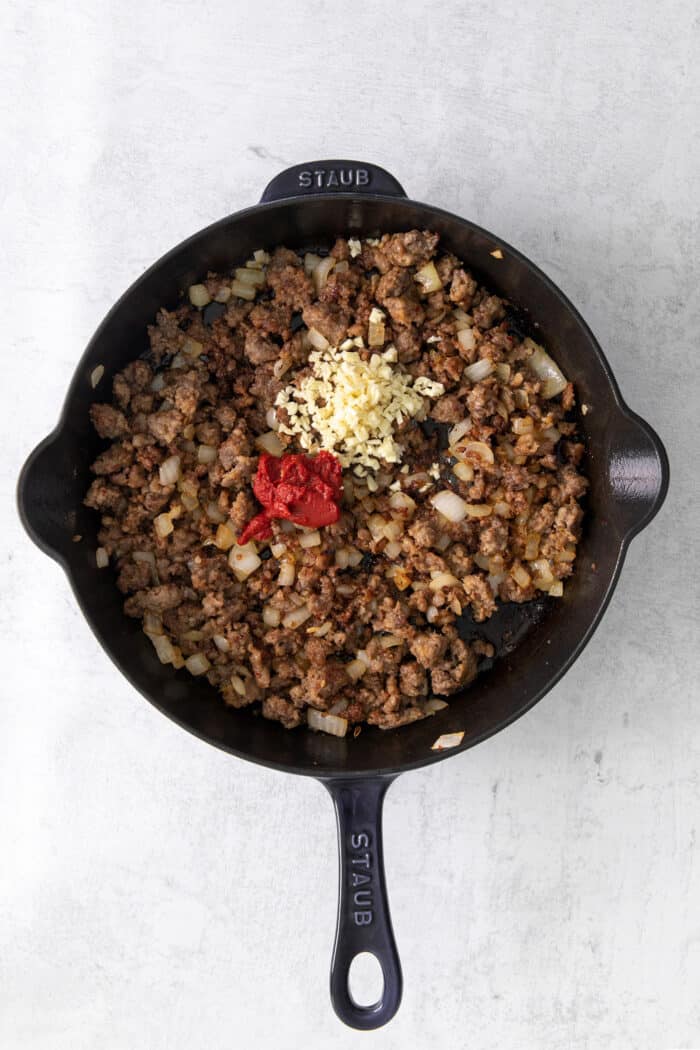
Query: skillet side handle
<point x="331" y="176"/>
<point x="638" y="471"/>
<point x="364" y="923"/>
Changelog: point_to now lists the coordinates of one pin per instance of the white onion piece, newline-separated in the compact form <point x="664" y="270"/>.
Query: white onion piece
<point x="318" y="341"/>
<point x="333" y="724"/>
<point x="243" y="291"/>
<point x="321" y="271"/>
<point x="354" y="557"/>
<point x="402" y="501"/>
<point x="199" y="296"/>
<point x="157" y="383"/>
<point x="342" y="557"/>
<point x="479" y="449"/>
<point x="443" y="579"/>
<point x="463" y="471"/>
<point x="311" y="261"/>
<point x="432" y="614"/>
<point x="278" y="549"/>
<point x="521" y="576"/>
<point x="152" y="622"/>
<point x="434" y="705"/>
<point x="355" y="669"/>
<point x="197" y="664"/>
<point x="271" y="418"/>
<point x="248" y="275"/>
<point x="465" y="338"/>
<point x="392" y="549"/>
<point x="286" y="573"/>
<point x="479" y="370"/>
<point x="192" y="347"/>
<point x="541" y="364"/>
<point x="163" y="647"/>
<point x="310" y="539"/>
<point x="458" y="431"/>
<point x="428" y="278"/>
<point x="390" y="641"/>
<point x="101" y="558"/>
<point x="296" y="617"/>
<point x="145" y="556"/>
<point x="447" y="740"/>
<point x="238" y="684"/>
<point x="462" y="319"/>
<point x="271" y="617"/>
<point x="221" y="643"/>
<point x="169" y="470"/>
<point x="96" y="375"/>
<point x="244" y="561"/>
<point x="450" y="505"/>
<point x="215" y="513"/>
<point x="270" y="443"/>
<point x="206" y="454"/>
<point x="163" y="525"/>
<point x="225" y="536"/>
<point x="556" y="590"/>
<point x="478" y="510"/>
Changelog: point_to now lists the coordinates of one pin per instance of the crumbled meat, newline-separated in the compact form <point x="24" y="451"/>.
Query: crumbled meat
<point x="369" y="589"/>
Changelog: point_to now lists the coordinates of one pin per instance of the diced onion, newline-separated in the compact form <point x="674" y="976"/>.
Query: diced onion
<point x="532" y="546"/>
<point x="286" y="573"/>
<point x="163" y="647"/>
<point x="443" y="579"/>
<point x="434" y="705"/>
<point x="376" y="333"/>
<point x="96" y="375"/>
<point x="215" y="513"/>
<point x="296" y="617"/>
<point x="447" y="740"/>
<point x="318" y="341"/>
<point x="458" y="431"/>
<point x="354" y="557"/>
<point x="246" y="275"/>
<point x="502" y="370"/>
<point x="223" y="295"/>
<point x="501" y="508"/>
<point x="355" y="669"/>
<point x="479" y="370"/>
<point x="463" y="471"/>
<point x="392" y="549"/>
<point x="428" y="278"/>
<point x="523" y="425"/>
<point x="192" y="347"/>
<point x="310" y="539"/>
<point x="543" y="578"/>
<point x="206" y="454"/>
<point x="278" y="549"/>
<point x="157" y="383"/>
<point x="390" y="641"/>
<point x="450" y="505"/>
<point x="321" y="271"/>
<point x="465" y="338"/>
<point x="238" y="684"/>
<point x="271" y="418"/>
<point x="401" y="501"/>
<point x="244" y="561"/>
<point x="541" y="364"/>
<point x="243" y="291"/>
<point x="322" y="631"/>
<point x="479" y="449"/>
<point x="521" y="576"/>
<point x="556" y="590"/>
<point x="478" y="510"/>
<point x="199" y="296"/>
<point x="462" y="319"/>
<point x="163" y="525"/>
<point x="101" y="558"/>
<point x="271" y="616"/>
<point x="311" y="261"/>
<point x="169" y="470"/>
<point x="225" y="536"/>
<point x="432" y="614"/>
<point x="342" y="557"/>
<point x="152" y="622"/>
<point x="197" y="664"/>
<point x="333" y="724"/>
<point x="270" y="443"/>
<point x="222" y="643"/>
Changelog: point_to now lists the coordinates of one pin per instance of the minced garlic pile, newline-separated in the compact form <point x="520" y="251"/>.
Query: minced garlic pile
<point x="350" y="407"/>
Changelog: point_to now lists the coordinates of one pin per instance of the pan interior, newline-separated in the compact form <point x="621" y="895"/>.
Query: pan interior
<point x="535" y="642"/>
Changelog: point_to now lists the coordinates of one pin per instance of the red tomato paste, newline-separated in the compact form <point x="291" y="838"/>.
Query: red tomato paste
<point x="299" y="488"/>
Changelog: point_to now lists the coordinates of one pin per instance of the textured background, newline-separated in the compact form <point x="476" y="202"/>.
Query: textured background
<point x="156" y="894"/>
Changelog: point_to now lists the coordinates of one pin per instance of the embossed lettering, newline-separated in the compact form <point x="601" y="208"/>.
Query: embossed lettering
<point x="362" y="918"/>
<point x="363" y="898"/>
<point x="345" y="178"/>
<point x="358" y="879"/>
<point x="362" y="177"/>
<point x="359" y="841"/>
<point x="332" y="178"/>
<point x="363" y="860"/>
<point x="319" y="177"/>
<point x="305" y="179"/>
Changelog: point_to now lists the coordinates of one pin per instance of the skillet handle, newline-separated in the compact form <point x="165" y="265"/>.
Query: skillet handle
<point x="331" y="176"/>
<point x="364" y="923"/>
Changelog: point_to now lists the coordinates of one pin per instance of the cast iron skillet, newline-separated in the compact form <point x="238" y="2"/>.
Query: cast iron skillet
<point x="307" y="206"/>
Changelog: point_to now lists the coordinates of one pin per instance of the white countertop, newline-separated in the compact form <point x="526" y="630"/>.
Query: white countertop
<point x="156" y="894"/>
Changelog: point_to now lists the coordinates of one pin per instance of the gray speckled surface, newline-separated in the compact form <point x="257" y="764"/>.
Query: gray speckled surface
<point x="545" y="887"/>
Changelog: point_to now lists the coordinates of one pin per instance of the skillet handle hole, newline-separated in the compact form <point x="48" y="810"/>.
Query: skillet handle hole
<point x="365" y="980"/>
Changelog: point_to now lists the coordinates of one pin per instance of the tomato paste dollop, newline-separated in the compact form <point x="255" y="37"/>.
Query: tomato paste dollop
<point x="299" y="488"/>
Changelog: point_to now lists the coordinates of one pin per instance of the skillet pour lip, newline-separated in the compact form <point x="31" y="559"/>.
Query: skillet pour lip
<point x="641" y="500"/>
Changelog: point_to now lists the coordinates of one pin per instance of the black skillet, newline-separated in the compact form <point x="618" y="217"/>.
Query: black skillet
<point x="307" y="206"/>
